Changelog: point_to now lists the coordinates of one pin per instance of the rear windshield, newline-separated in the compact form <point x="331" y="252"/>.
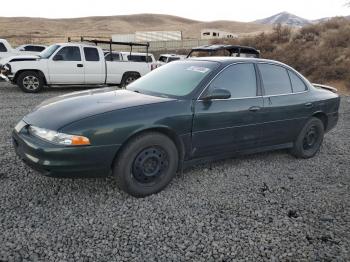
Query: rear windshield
<point x="175" y="79"/>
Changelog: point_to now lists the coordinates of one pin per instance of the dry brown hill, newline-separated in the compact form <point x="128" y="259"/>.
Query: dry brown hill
<point x="20" y="30"/>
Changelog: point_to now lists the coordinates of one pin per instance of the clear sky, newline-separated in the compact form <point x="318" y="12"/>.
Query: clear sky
<point x="204" y="10"/>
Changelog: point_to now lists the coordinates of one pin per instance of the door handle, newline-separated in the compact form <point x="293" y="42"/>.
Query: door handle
<point x="309" y="105"/>
<point x="254" y="108"/>
<point x="80" y="65"/>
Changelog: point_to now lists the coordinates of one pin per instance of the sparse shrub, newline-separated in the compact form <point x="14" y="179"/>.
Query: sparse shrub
<point x="321" y="52"/>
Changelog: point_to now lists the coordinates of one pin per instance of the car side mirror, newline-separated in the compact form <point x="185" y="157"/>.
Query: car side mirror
<point x="58" y="58"/>
<point x="217" y="93"/>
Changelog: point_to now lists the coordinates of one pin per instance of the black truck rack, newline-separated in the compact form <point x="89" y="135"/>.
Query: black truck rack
<point x="232" y="49"/>
<point x="110" y="42"/>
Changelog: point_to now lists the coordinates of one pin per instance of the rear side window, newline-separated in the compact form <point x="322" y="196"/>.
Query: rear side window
<point x="239" y="79"/>
<point x="69" y="53"/>
<point x="3" y="48"/>
<point x="139" y="58"/>
<point x="32" y="48"/>
<point x="171" y="59"/>
<point x="115" y="57"/>
<point x="91" y="54"/>
<point x="297" y="84"/>
<point x="275" y="79"/>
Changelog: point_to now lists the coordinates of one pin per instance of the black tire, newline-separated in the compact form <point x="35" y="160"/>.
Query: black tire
<point x="128" y="78"/>
<point x="30" y="82"/>
<point x="309" y="139"/>
<point x="146" y="165"/>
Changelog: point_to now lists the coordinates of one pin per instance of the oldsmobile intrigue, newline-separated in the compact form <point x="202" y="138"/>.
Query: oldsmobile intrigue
<point x="181" y="113"/>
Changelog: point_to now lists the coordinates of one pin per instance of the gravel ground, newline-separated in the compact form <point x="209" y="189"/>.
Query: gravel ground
<point x="267" y="206"/>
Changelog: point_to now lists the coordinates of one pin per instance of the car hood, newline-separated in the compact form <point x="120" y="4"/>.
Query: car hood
<point x="17" y="58"/>
<point x="60" y="111"/>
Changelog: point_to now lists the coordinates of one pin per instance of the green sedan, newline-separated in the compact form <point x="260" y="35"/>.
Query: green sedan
<point x="180" y="114"/>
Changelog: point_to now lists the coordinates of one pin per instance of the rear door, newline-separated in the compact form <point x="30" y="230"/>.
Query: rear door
<point x="66" y="66"/>
<point x="94" y="66"/>
<point x="229" y="125"/>
<point x="286" y="106"/>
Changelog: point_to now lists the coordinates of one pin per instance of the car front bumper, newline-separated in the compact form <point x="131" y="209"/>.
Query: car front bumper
<point x="63" y="161"/>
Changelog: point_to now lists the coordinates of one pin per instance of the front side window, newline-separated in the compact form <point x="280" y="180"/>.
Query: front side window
<point x="239" y="79"/>
<point x="3" y="48"/>
<point x="297" y="84"/>
<point x="91" y="54"/>
<point x="69" y="53"/>
<point x="275" y="79"/>
<point x="176" y="79"/>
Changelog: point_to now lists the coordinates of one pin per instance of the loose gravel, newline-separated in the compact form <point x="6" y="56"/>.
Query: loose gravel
<point x="267" y="206"/>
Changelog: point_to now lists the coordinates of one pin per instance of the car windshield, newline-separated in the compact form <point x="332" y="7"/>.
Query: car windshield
<point x="175" y="79"/>
<point x="47" y="53"/>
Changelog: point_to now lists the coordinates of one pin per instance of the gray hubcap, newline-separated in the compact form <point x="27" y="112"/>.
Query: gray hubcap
<point x="31" y="82"/>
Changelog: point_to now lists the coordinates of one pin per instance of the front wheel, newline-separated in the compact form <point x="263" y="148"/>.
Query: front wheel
<point x="146" y="165"/>
<point x="30" y="82"/>
<point x="309" y="139"/>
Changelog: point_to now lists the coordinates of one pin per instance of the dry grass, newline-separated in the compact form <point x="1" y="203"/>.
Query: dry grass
<point x="20" y="30"/>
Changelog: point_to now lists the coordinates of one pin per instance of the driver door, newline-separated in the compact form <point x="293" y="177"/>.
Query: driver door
<point x="229" y="125"/>
<point x="66" y="66"/>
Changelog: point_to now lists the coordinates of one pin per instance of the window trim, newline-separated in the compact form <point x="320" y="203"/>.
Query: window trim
<point x="259" y="93"/>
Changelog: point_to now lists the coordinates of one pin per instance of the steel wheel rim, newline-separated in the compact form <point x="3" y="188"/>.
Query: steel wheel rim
<point x="31" y="83"/>
<point x="129" y="80"/>
<point x="310" y="138"/>
<point x="150" y="165"/>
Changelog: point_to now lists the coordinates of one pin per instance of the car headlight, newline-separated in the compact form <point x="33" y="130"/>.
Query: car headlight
<point x="58" y="138"/>
<point x="5" y="69"/>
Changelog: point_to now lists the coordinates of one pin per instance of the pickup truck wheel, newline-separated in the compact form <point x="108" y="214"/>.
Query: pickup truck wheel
<point x="146" y="164"/>
<point x="128" y="78"/>
<point x="30" y="82"/>
<point x="309" y="139"/>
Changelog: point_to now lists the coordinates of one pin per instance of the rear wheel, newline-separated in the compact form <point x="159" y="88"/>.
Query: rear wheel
<point x="128" y="78"/>
<point x="309" y="140"/>
<point x="30" y="82"/>
<point x="146" y="165"/>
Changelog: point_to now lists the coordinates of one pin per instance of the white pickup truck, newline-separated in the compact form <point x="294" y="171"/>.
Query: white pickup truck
<point x="69" y="64"/>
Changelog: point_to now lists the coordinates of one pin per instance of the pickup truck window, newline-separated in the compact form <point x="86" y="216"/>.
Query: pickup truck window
<point x="3" y="48"/>
<point x="115" y="57"/>
<point x="139" y="58"/>
<point x="70" y="53"/>
<point x="91" y="54"/>
<point x="47" y="53"/>
<point x="174" y="79"/>
<point x="171" y="59"/>
<point x="33" y="48"/>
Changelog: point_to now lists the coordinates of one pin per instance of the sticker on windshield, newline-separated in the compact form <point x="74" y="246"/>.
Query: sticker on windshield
<point x="198" y="69"/>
